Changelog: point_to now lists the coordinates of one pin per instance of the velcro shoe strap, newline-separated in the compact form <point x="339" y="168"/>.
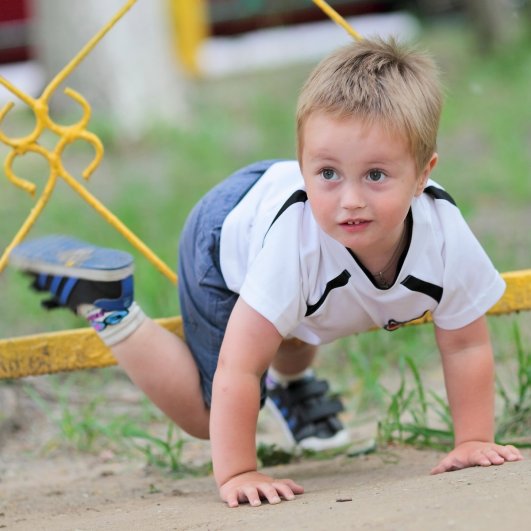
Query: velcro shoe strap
<point x="308" y="389"/>
<point x="320" y="411"/>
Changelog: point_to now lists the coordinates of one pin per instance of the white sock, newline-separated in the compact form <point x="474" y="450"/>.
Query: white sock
<point x="113" y="326"/>
<point x="285" y="379"/>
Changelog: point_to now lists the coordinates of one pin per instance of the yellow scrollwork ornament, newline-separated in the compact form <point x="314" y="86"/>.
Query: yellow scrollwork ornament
<point x="67" y="134"/>
<point x="70" y="133"/>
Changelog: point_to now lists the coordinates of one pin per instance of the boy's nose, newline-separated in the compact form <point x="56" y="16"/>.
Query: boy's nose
<point x="352" y="197"/>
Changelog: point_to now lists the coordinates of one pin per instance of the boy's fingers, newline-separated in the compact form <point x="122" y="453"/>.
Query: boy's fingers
<point x="439" y="469"/>
<point x="273" y="492"/>
<point x="270" y="493"/>
<point x="486" y="459"/>
<point x="295" y="487"/>
<point x="252" y="496"/>
<point x="284" y="490"/>
<point x="232" y="499"/>
<point x="494" y="458"/>
<point x="493" y="455"/>
<point x="510" y="453"/>
<point x="448" y="464"/>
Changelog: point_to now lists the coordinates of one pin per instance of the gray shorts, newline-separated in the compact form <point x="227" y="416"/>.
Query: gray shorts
<point x="206" y="302"/>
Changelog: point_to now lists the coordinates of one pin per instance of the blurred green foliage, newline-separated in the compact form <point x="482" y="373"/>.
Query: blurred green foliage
<point x="152" y="184"/>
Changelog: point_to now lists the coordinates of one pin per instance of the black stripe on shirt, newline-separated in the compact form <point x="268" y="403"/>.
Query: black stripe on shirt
<point x="338" y="282"/>
<point x="299" y="196"/>
<point x="438" y="193"/>
<point x="415" y="284"/>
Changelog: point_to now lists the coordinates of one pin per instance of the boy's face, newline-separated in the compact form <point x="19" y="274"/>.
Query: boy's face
<point x="360" y="181"/>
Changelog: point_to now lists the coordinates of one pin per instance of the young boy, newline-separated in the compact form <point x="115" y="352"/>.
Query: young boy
<point x="284" y="256"/>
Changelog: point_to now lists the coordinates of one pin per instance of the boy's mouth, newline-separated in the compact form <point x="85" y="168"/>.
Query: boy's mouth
<point x="354" y="225"/>
<point x="354" y="222"/>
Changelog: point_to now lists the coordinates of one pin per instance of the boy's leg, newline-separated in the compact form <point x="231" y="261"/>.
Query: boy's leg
<point x="206" y="302"/>
<point x="308" y="416"/>
<point x="98" y="284"/>
<point x="294" y="357"/>
<point x="161" y="364"/>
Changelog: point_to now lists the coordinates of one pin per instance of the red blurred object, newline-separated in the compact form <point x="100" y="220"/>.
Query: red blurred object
<point x="229" y="17"/>
<point x="14" y="31"/>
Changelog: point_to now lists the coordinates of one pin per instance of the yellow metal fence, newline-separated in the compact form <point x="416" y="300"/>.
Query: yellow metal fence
<point x="82" y="349"/>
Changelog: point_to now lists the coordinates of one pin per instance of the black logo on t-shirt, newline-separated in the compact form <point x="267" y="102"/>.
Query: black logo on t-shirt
<point x="393" y="324"/>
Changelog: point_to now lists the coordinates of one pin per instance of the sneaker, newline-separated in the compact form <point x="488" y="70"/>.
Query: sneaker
<point x="308" y="417"/>
<point x="76" y="273"/>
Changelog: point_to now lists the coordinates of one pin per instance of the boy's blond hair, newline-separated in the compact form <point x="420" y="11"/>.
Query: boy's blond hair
<point x="381" y="81"/>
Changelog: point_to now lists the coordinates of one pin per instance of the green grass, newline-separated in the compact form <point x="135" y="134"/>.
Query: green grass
<point x="89" y="421"/>
<point x="515" y="420"/>
<point x="421" y="417"/>
<point x="151" y="185"/>
<point x="408" y="415"/>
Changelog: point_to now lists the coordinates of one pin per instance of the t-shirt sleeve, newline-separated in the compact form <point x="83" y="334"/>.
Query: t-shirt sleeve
<point x="471" y="284"/>
<point x="274" y="284"/>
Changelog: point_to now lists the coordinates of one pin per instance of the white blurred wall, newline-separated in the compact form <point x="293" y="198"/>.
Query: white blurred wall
<point x="132" y="74"/>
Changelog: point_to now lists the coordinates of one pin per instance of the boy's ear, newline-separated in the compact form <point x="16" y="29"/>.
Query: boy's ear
<point x="425" y="174"/>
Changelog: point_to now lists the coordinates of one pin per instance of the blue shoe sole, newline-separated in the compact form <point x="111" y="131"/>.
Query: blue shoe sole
<point x="66" y="256"/>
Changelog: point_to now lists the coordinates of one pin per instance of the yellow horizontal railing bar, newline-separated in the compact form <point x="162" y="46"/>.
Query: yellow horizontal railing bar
<point x="69" y="350"/>
<point x="82" y="349"/>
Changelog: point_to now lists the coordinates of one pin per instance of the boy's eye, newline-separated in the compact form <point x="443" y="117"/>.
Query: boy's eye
<point x="376" y="176"/>
<point x="328" y="174"/>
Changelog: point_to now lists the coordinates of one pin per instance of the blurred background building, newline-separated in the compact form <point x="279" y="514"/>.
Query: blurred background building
<point x="143" y="67"/>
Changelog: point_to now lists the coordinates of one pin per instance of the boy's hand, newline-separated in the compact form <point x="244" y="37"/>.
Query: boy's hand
<point x="477" y="453"/>
<point x="252" y="486"/>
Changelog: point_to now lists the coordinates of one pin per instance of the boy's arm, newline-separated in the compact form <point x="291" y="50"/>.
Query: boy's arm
<point x="249" y="346"/>
<point x="469" y="377"/>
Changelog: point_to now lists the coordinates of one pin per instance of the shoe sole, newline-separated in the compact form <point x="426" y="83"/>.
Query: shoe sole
<point x="66" y="256"/>
<point x="315" y="444"/>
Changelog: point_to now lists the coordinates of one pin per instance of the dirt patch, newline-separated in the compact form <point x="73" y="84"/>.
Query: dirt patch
<point x="44" y="486"/>
<point x="52" y="489"/>
<point x="387" y="490"/>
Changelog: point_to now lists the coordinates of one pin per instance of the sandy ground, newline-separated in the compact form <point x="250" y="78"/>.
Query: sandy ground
<point x="388" y="490"/>
<point x="50" y="488"/>
<point x="46" y="488"/>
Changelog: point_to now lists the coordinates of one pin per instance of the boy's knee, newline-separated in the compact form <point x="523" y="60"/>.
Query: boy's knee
<point x="296" y="346"/>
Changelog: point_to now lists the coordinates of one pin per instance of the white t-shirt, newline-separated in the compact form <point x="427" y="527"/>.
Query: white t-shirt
<point x="309" y="286"/>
